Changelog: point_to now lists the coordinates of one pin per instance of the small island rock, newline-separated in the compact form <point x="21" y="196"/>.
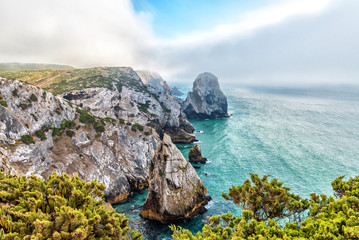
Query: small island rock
<point x="206" y="99"/>
<point x="195" y="155"/>
<point x="175" y="192"/>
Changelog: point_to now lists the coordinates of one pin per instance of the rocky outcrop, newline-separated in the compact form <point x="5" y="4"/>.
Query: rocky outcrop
<point x="116" y="154"/>
<point x="154" y="80"/>
<point x="195" y="155"/>
<point x="206" y="100"/>
<point x="176" y="92"/>
<point x="176" y="192"/>
<point x="130" y="99"/>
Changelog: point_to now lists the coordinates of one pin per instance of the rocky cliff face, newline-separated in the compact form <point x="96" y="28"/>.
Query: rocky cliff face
<point x="206" y="100"/>
<point x="154" y="80"/>
<point x="175" y="191"/>
<point x="127" y="97"/>
<point x="41" y="133"/>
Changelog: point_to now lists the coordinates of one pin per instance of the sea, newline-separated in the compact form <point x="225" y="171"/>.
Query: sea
<point x="304" y="137"/>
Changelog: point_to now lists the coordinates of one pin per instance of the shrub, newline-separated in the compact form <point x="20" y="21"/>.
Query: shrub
<point x="68" y="124"/>
<point x="85" y="117"/>
<point x="40" y="134"/>
<point x="3" y="103"/>
<point x="98" y="126"/>
<point x="121" y="120"/>
<point x="61" y="207"/>
<point x="70" y="133"/>
<point x="15" y="93"/>
<point x="137" y="126"/>
<point x="27" y="139"/>
<point x="328" y="218"/>
<point x="33" y="97"/>
<point x="147" y="133"/>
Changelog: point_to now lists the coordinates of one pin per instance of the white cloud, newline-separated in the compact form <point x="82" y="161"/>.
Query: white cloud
<point x="297" y="41"/>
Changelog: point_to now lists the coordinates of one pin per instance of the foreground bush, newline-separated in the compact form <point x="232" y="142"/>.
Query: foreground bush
<point x="61" y="207"/>
<point x="327" y="217"/>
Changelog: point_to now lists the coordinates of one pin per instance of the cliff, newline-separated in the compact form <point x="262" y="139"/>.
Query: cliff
<point x="115" y="92"/>
<point x="41" y="133"/>
<point x="206" y="100"/>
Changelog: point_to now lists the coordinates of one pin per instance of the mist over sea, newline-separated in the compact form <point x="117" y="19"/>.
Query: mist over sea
<point x="304" y="137"/>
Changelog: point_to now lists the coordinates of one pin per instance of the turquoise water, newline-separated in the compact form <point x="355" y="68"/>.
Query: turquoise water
<point x="306" y="138"/>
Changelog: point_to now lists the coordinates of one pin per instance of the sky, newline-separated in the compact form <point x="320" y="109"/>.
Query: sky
<point x="242" y="42"/>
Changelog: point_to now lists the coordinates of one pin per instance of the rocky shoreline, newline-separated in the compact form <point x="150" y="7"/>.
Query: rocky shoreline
<point x="121" y="134"/>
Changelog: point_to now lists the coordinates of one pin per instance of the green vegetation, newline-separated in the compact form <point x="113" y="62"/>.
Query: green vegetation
<point x="85" y="117"/>
<point x="24" y="105"/>
<point x="33" y="97"/>
<point x="27" y="139"/>
<point x="144" y="106"/>
<point x="137" y="126"/>
<point x="121" y="120"/>
<point x="40" y="134"/>
<point x="68" y="124"/>
<point x="15" y="93"/>
<point x="70" y="133"/>
<point x="61" y="207"/>
<point x="3" y="103"/>
<point x="326" y="217"/>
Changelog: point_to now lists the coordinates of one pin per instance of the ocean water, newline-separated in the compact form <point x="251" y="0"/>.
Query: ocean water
<point x="305" y="138"/>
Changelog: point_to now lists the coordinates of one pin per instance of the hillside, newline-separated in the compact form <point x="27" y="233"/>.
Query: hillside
<point x="23" y="66"/>
<point x="115" y="92"/>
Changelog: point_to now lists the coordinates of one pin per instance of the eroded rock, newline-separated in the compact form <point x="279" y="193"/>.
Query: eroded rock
<point x="176" y="193"/>
<point x="206" y="100"/>
<point x="195" y="155"/>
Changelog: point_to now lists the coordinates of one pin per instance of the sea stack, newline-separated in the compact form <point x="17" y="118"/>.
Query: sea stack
<point x="175" y="192"/>
<point x="206" y="99"/>
<point x="195" y="155"/>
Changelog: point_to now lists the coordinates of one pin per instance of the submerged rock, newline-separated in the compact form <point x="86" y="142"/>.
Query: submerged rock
<point x="195" y="155"/>
<point x="206" y="99"/>
<point x="176" y="193"/>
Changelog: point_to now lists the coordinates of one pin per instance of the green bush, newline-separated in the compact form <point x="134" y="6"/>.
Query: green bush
<point x="121" y="120"/>
<point x="33" y="97"/>
<point x="40" y="134"/>
<point x="137" y="126"/>
<point x="70" y="133"/>
<point x="3" y="103"/>
<point x="68" y="124"/>
<point x="85" y="117"/>
<point x="15" y="93"/>
<point x="328" y="218"/>
<point x="61" y="207"/>
<point x="27" y="139"/>
<point x="99" y="127"/>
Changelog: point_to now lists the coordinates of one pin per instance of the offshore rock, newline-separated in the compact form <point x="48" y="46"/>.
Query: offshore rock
<point x="206" y="99"/>
<point x="195" y="155"/>
<point x="176" y="193"/>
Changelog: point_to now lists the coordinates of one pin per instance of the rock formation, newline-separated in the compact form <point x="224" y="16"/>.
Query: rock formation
<point x="154" y="80"/>
<point x="176" y="92"/>
<point x="56" y="137"/>
<point x="176" y="192"/>
<point x="195" y="155"/>
<point x="206" y="100"/>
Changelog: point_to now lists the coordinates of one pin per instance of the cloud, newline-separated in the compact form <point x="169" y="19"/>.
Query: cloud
<point x="288" y="43"/>
<point x="82" y="33"/>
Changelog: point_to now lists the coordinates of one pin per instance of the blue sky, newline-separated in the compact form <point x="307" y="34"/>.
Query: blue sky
<point x="177" y="17"/>
<point x="252" y="42"/>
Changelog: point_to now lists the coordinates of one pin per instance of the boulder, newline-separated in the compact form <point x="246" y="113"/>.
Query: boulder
<point x="206" y="100"/>
<point x="175" y="192"/>
<point x="195" y="155"/>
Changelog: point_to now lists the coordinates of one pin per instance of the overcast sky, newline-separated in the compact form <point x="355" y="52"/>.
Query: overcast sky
<point x="256" y="42"/>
